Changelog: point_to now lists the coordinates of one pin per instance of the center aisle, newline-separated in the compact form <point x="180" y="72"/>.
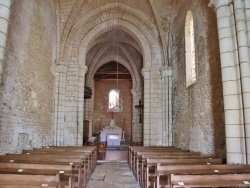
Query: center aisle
<point x="113" y="171"/>
<point x="112" y="175"/>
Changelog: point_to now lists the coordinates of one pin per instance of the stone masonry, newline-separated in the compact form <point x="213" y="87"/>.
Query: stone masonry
<point x="27" y="89"/>
<point x="50" y="50"/>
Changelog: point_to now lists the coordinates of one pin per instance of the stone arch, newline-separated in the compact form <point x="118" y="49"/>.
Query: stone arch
<point x="69" y="22"/>
<point x="99" y="54"/>
<point x="142" y="32"/>
<point x="138" y="18"/>
<point x="123" y="25"/>
<point x="134" y="71"/>
<point x="131" y="42"/>
<point x="93" y="68"/>
<point x="132" y="63"/>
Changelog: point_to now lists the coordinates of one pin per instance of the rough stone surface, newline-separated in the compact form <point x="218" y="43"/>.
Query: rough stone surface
<point x="198" y="109"/>
<point x="27" y="89"/>
<point x="77" y="35"/>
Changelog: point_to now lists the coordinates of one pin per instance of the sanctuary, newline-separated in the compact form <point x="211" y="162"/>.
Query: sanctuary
<point x="111" y="134"/>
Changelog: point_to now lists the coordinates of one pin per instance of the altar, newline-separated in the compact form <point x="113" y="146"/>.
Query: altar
<point x="111" y="134"/>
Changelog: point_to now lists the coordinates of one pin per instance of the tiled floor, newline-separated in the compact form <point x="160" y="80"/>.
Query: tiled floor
<point x="113" y="172"/>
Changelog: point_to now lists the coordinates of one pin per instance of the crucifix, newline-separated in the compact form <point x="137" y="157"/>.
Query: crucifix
<point x="140" y="108"/>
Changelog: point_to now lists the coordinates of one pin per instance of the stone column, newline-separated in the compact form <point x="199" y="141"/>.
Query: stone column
<point x="166" y="74"/>
<point x="136" y="125"/>
<point x="5" y="10"/>
<point x="80" y="113"/>
<point x="147" y="101"/>
<point x="59" y="117"/>
<point x="247" y="15"/>
<point x="88" y="106"/>
<point x="152" y="107"/>
<point x="243" y="44"/>
<point x="156" y="107"/>
<point x="234" y="123"/>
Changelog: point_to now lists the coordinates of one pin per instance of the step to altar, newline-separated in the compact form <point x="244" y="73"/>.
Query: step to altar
<point x="123" y="146"/>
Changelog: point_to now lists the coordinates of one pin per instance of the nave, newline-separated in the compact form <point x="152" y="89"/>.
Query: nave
<point x="140" y="166"/>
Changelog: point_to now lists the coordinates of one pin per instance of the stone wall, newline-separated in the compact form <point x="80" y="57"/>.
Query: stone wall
<point x="101" y="117"/>
<point x="27" y="88"/>
<point x="198" y="109"/>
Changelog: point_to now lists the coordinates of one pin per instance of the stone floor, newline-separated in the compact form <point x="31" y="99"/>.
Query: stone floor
<point x="117" y="155"/>
<point x="113" y="172"/>
<point x="112" y="175"/>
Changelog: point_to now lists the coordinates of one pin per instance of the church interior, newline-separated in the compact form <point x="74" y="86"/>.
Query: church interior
<point x="164" y="73"/>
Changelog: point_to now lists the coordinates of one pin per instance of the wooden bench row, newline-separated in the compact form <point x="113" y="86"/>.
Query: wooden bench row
<point x="172" y="167"/>
<point x="67" y="167"/>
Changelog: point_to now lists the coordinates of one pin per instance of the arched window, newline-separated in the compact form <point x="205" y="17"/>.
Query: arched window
<point x="114" y="101"/>
<point x="190" y="49"/>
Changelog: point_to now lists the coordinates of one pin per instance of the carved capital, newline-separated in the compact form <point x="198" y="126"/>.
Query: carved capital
<point x="146" y="73"/>
<point x="136" y="91"/>
<point x="166" y="71"/>
<point x="83" y="69"/>
<point x="219" y="3"/>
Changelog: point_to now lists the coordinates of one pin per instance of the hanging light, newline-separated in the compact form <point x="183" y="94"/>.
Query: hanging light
<point x="116" y="105"/>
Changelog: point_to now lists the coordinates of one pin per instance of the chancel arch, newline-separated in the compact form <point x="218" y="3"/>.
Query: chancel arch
<point x="136" y="84"/>
<point x="129" y="15"/>
<point x="144" y="39"/>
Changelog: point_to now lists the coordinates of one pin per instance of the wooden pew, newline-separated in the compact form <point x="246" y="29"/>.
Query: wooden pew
<point x="93" y="150"/>
<point x="219" y="180"/>
<point x="73" y="149"/>
<point x="51" y="160"/>
<point x="160" y="151"/>
<point x="166" y="154"/>
<point x="65" y="171"/>
<point x="165" y="171"/>
<point x="136" y="152"/>
<point x="141" y="168"/>
<point x="139" y="159"/>
<point x="134" y="149"/>
<point x="149" y="166"/>
<point x="87" y="167"/>
<point x="29" y="181"/>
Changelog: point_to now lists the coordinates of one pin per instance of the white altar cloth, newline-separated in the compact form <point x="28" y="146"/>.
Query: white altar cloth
<point x="113" y="140"/>
<point x="112" y="134"/>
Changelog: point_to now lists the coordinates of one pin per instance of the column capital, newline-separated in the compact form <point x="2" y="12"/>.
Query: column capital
<point x="136" y="91"/>
<point x="166" y="71"/>
<point x="146" y="72"/>
<point x="6" y="3"/>
<point x="83" y="68"/>
<point x="219" y="3"/>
